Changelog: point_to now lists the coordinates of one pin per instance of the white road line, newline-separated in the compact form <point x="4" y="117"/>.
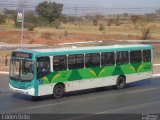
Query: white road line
<point x="117" y="110"/>
<point x="66" y="102"/>
<point x="78" y="117"/>
<point x="131" y="107"/>
<point x="40" y="106"/>
<point x="141" y="90"/>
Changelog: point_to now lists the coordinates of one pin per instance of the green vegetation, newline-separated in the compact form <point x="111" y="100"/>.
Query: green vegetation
<point x="49" y="18"/>
<point x="2" y="18"/>
<point x="50" y="11"/>
<point x="101" y="27"/>
<point x="30" y="21"/>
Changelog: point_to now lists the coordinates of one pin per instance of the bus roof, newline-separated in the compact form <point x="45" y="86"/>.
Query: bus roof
<point x="82" y="50"/>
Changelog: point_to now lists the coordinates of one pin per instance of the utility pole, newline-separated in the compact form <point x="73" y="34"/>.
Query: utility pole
<point x="75" y="11"/>
<point x="20" y="19"/>
<point x="22" y="28"/>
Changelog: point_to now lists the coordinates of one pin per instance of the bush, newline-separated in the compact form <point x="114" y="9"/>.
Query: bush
<point x="18" y="25"/>
<point x="30" y="27"/>
<point x="101" y="27"/>
<point x="146" y="34"/>
<point x="2" y="19"/>
<point x="46" y="35"/>
<point x="30" y="21"/>
<point x="55" y="24"/>
<point x="42" y="22"/>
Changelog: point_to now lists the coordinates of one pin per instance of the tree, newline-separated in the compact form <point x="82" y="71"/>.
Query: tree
<point x="96" y="18"/>
<point x="2" y="18"/>
<point x="134" y="19"/>
<point x="101" y="27"/>
<point x="125" y="15"/>
<point x="145" y="26"/>
<point x="110" y="21"/>
<point x="157" y="11"/>
<point x="11" y="14"/>
<point x="49" y="10"/>
<point x="30" y="21"/>
<point x="117" y="20"/>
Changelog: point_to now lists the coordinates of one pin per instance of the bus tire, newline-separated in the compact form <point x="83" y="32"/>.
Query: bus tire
<point x="121" y="82"/>
<point x="58" y="91"/>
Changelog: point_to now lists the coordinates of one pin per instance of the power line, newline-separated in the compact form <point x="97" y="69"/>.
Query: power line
<point x="81" y="7"/>
<point x="82" y="10"/>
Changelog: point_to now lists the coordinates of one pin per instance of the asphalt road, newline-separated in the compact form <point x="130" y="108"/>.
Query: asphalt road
<point x="137" y="98"/>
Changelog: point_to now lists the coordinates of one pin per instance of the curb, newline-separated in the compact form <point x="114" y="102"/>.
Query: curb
<point x="155" y="75"/>
<point x="156" y="64"/>
<point x="3" y="72"/>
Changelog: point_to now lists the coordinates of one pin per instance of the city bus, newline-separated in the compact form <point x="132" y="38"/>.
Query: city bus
<point x="40" y="72"/>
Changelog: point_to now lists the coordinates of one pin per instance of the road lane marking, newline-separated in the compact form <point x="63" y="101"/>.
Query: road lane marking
<point x="34" y="107"/>
<point x="67" y="102"/>
<point x="116" y="110"/>
<point x="131" y="107"/>
<point x="80" y="117"/>
<point x="141" y="90"/>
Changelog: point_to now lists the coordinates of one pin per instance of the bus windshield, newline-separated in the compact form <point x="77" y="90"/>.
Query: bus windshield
<point x="21" y="70"/>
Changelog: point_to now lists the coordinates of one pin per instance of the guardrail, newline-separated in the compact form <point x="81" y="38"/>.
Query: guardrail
<point x="4" y="46"/>
<point x="156" y="64"/>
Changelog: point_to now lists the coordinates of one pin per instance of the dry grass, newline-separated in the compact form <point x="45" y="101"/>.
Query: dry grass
<point x="3" y="55"/>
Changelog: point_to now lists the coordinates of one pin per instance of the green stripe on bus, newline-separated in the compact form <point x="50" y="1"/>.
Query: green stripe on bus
<point x="89" y="73"/>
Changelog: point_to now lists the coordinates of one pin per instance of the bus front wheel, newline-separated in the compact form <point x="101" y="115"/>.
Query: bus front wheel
<point x="58" y="91"/>
<point x="121" y="82"/>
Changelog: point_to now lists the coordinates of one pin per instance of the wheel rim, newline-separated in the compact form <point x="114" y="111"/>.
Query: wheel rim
<point x="121" y="82"/>
<point x="58" y="91"/>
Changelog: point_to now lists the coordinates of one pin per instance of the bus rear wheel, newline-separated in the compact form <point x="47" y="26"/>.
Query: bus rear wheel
<point x="58" y="91"/>
<point x="121" y="82"/>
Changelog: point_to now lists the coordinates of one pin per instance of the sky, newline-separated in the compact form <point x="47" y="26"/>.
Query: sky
<point x="110" y="3"/>
<point x="97" y="3"/>
<point x="102" y="3"/>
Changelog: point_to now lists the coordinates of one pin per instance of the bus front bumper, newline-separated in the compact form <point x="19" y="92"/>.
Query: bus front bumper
<point x="30" y="91"/>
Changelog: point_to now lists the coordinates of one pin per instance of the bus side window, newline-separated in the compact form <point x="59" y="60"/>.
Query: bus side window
<point x="60" y="63"/>
<point x="76" y="61"/>
<point x="43" y="66"/>
<point x="92" y="60"/>
<point x="122" y="57"/>
<point x="146" y="55"/>
<point x="108" y="58"/>
<point x="135" y="56"/>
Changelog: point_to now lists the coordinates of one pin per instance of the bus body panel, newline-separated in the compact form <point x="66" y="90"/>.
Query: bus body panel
<point x="92" y="78"/>
<point x="29" y="91"/>
<point x="93" y="83"/>
<point x="91" y="73"/>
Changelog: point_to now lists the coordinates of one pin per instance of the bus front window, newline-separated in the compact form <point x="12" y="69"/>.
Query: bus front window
<point x="21" y="70"/>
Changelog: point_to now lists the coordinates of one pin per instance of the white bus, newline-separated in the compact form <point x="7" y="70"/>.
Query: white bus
<point x="56" y="71"/>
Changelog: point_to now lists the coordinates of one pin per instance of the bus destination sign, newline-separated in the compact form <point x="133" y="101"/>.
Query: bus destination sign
<point x="22" y="55"/>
